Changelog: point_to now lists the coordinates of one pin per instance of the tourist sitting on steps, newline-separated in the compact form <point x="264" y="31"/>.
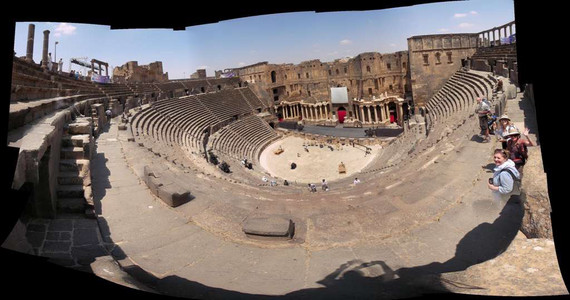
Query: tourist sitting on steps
<point x="518" y="147"/>
<point x="504" y="177"/>
<point x="504" y="125"/>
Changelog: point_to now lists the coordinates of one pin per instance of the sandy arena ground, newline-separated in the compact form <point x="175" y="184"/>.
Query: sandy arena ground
<point x="315" y="165"/>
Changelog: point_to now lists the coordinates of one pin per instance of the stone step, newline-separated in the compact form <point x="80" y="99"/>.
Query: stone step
<point x="72" y="152"/>
<point x="70" y="191"/>
<point x="70" y="178"/>
<point x="66" y="165"/>
<point x="78" y="140"/>
<point x="78" y="128"/>
<point x="71" y="205"/>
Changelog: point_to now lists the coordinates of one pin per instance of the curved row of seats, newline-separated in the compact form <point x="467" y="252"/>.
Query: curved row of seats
<point x="31" y="82"/>
<point x="186" y="121"/>
<point x="507" y="51"/>
<point x="457" y="97"/>
<point x="243" y="138"/>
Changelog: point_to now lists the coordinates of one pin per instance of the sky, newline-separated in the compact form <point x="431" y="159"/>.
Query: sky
<point x="275" y="38"/>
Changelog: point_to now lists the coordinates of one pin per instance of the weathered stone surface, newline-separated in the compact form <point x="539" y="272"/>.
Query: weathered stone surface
<point x="174" y="195"/>
<point x="536" y="221"/>
<point x="269" y="226"/>
<point x="527" y="268"/>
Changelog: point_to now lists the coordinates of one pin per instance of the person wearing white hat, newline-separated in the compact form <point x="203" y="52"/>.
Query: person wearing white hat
<point x="517" y="147"/>
<point x="504" y="124"/>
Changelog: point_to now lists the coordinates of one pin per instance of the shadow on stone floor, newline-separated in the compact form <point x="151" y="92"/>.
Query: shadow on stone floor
<point x="484" y="242"/>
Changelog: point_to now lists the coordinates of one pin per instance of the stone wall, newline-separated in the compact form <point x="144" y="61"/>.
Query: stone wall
<point x="536" y="221"/>
<point x="40" y="143"/>
<point x="366" y="75"/>
<point x="434" y="58"/>
<point x="132" y="72"/>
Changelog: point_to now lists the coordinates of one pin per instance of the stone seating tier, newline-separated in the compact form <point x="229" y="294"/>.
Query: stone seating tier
<point x="182" y="121"/>
<point x="243" y="138"/>
<point x="458" y="95"/>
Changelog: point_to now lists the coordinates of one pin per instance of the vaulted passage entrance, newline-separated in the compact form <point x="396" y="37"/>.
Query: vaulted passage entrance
<point x="341" y="112"/>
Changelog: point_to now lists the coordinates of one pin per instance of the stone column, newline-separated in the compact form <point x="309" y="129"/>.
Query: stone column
<point x="45" y="50"/>
<point x="369" y="114"/>
<point x="375" y="113"/>
<point x="30" y="47"/>
<point x="362" y="113"/>
<point x="311" y="112"/>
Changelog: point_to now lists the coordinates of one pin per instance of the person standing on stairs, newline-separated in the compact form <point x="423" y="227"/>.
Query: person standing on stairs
<point x="483" y="110"/>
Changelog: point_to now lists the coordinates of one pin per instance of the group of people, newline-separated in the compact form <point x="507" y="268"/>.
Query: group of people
<point x="325" y="185"/>
<point x="511" y="158"/>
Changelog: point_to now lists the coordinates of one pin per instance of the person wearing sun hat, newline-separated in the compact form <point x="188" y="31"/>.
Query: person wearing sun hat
<point x="482" y="110"/>
<point x="517" y="146"/>
<point x="504" y="124"/>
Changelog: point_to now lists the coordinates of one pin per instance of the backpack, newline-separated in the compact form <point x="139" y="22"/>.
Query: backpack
<point x="516" y="182"/>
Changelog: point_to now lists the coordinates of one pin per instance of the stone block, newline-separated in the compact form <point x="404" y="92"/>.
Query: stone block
<point x="174" y="195"/>
<point x="147" y="171"/>
<point x="79" y="128"/>
<point x="153" y="184"/>
<point x="269" y="227"/>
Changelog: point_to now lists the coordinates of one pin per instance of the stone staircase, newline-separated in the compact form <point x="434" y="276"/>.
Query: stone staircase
<point x="74" y="180"/>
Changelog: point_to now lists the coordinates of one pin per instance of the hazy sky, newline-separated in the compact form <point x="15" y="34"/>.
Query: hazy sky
<point x="276" y="38"/>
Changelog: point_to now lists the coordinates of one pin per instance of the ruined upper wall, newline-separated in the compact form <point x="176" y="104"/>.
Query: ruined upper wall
<point x="366" y="75"/>
<point x="131" y="72"/>
<point x="434" y="58"/>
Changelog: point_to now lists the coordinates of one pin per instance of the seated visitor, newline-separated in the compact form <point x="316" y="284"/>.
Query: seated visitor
<point x="503" y="125"/>
<point x="517" y="146"/>
<point x="504" y="176"/>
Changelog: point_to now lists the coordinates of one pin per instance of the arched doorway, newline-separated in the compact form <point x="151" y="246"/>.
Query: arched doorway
<point x="392" y="108"/>
<point x="341" y="113"/>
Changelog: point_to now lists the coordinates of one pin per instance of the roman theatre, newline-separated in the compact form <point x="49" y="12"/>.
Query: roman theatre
<point x="198" y="187"/>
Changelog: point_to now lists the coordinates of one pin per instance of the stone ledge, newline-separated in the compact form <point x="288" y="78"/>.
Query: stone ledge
<point x="164" y="187"/>
<point x="269" y="227"/>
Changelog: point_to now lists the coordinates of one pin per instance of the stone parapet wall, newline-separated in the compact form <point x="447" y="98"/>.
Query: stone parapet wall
<point x="536" y="221"/>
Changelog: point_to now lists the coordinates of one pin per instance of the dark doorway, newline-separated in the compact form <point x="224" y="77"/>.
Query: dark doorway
<point x="341" y="112"/>
<point x="393" y="114"/>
